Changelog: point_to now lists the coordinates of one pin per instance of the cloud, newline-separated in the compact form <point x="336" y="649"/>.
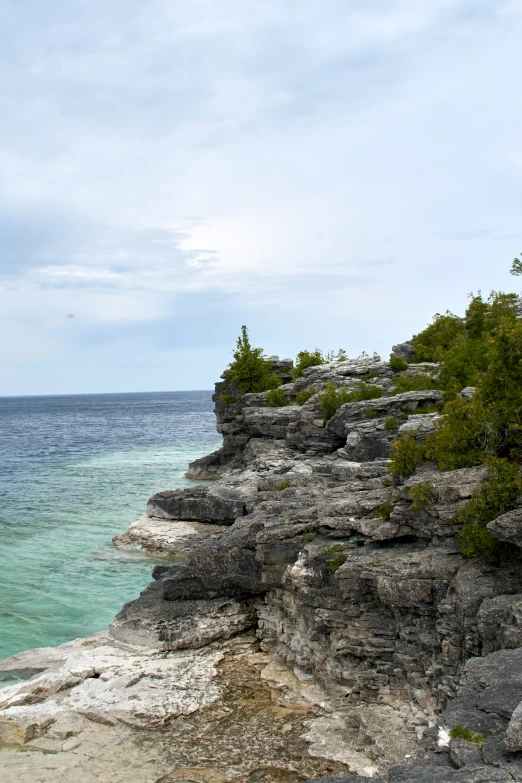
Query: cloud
<point x="378" y="262"/>
<point x="173" y="170"/>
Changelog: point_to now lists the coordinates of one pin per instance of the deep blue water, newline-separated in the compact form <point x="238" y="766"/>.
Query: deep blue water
<point x="75" y="470"/>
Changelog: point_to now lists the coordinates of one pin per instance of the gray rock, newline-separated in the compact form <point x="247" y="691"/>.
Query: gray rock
<point x="403" y="351"/>
<point x="513" y="735"/>
<point x="508" y="527"/>
<point x="464" y="753"/>
<point x="198" y="503"/>
<point x="468" y="392"/>
<point x="432" y="774"/>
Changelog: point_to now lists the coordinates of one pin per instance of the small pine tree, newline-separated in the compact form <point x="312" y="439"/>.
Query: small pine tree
<point x="249" y="372"/>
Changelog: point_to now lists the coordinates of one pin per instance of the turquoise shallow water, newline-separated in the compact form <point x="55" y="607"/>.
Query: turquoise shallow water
<point x="73" y="472"/>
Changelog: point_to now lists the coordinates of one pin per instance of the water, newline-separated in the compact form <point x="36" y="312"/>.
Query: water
<point x="75" y="470"/>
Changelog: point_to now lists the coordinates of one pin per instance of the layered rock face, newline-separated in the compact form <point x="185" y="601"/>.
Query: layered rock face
<point x="348" y="578"/>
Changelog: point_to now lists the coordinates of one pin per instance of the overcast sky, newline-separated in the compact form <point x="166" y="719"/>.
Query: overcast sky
<point x="330" y="173"/>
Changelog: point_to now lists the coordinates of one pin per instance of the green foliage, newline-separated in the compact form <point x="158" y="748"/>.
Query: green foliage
<point x="331" y="399"/>
<point x="227" y="399"/>
<point x="516" y="266"/>
<point x="496" y="494"/>
<point x="304" y="396"/>
<point x="365" y="391"/>
<point x="306" y="359"/>
<point x="371" y="414"/>
<point x="406" y="453"/>
<point x="431" y="344"/>
<point x="277" y="398"/>
<point x="249" y="372"/>
<point x="283" y="485"/>
<point x="422" y="495"/>
<point x="406" y="383"/>
<point x="467" y="434"/>
<point x="336" y="556"/>
<point x="335" y="356"/>
<point x="462" y="732"/>
<point x="384" y="511"/>
<point x="391" y="422"/>
<point x="311" y="535"/>
<point x="483" y="350"/>
<point x="398" y="364"/>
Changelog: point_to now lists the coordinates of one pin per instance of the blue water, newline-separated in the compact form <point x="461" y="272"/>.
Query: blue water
<point x="75" y="470"/>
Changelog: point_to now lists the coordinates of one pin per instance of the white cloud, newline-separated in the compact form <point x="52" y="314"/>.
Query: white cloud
<point x="185" y="167"/>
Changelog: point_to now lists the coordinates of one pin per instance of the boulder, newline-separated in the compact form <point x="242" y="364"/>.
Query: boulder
<point x="508" y="527"/>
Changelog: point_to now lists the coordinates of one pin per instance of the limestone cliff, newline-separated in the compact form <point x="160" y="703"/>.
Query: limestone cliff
<point x="347" y="579"/>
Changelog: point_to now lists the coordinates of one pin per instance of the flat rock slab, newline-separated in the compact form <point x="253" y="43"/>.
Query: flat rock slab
<point x="238" y="733"/>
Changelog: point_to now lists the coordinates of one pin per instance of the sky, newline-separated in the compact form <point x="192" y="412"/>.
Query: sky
<point x="331" y="174"/>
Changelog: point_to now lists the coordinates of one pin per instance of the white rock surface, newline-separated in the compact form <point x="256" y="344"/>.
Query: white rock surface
<point x="107" y="683"/>
<point x="166" y="536"/>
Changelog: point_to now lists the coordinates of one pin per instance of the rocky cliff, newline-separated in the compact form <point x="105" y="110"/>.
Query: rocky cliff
<point x="352" y="580"/>
<point x="319" y="617"/>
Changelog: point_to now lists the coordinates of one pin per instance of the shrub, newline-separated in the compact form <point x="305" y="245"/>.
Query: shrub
<point x="336" y="556"/>
<point x="429" y="345"/>
<point x="304" y="396"/>
<point x="496" y="494"/>
<point x="462" y="732"/>
<point x="397" y="364"/>
<point x="406" y="383"/>
<point x="249" y="372"/>
<point x="306" y="359"/>
<point x="365" y="391"/>
<point x="331" y="399"/>
<point x="384" y="511"/>
<point x="468" y="433"/>
<point x="335" y="356"/>
<point x="406" y="453"/>
<point x="283" y="485"/>
<point x="277" y="398"/>
<point x="422" y="495"/>
<point x="371" y="414"/>
<point x="227" y="399"/>
<point x="391" y="422"/>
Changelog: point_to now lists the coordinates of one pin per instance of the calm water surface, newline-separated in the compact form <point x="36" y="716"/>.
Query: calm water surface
<point x="75" y="470"/>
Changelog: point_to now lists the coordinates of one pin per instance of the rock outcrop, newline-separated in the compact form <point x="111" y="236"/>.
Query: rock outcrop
<point x="346" y="576"/>
<point x="406" y="654"/>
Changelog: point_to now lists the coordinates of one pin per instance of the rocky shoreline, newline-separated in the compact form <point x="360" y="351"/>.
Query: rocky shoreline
<point x="362" y="628"/>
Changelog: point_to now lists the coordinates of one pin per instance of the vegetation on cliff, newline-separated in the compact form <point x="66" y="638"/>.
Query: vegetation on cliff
<point x="249" y="372"/>
<point x="483" y="351"/>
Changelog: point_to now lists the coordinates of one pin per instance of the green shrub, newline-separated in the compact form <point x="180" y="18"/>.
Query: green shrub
<point x="227" y="399"/>
<point x="462" y="732"/>
<point x="335" y="356"/>
<point x="365" y="391"/>
<point x="422" y="495"/>
<point x="249" y="372"/>
<point x="283" y="485"/>
<point x="407" y="383"/>
<point x="336" y="556"/>
<point x="385" y="511"/>
<point x="397" y="364"/>
<point x="406" y="453"/>
<point x="496" y="494"/>
<point x="277" y="398"/>
<point x="331" y="399"/>
<point x="468" y="433"/>
<point x="371" y="414"/>
<point x="430" y="345"/>
<point x="306" y="359"/>
<point x="391" y="422"/>
<point x="304" y="396"/>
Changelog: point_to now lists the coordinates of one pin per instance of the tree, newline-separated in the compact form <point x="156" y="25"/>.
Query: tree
<point x="249" y="372"/>
<point x="516" y="266"/>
